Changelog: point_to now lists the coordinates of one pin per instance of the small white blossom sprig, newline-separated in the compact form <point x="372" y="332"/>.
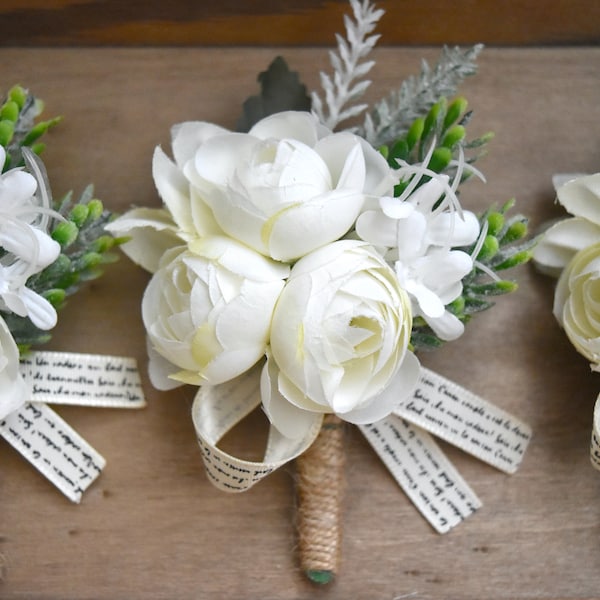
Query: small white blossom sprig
<point x="46" y="249"/>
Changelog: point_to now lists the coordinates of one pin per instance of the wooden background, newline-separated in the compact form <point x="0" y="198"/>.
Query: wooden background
<point x="152" y="526"/>
<point x="294" y="22"/>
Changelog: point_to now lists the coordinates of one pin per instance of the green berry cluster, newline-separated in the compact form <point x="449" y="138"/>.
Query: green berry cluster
<point x="444" y="126"/>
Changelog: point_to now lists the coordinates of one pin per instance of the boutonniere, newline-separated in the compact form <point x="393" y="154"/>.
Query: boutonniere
<point x="570" y="251"/>
<point x="48" y="249"/>
<point x="301" y="263"/>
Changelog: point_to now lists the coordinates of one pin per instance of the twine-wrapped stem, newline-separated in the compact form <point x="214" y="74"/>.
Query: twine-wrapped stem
<point x="321" y="484"/>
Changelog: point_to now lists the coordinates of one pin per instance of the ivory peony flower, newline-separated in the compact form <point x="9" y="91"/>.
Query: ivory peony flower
<point x="13" y="389"/>
<point x="577" y="303"/>
<point x="339" y="338"/>
<point x="207" y="311"/>
<point x="288" y="186"/>
<point x="416" y="233"/>
<point x="581" y="197"/>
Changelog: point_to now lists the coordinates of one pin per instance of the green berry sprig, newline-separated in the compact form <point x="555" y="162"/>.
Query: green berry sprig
<point x="18" y="127"/>
<point x="445" y="126"/>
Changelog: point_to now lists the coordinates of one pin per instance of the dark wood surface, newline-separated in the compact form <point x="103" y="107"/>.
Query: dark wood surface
<point x="294" y="22"/>
<point x="152" y="526"/>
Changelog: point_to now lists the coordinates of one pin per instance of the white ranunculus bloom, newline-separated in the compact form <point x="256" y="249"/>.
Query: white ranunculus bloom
<point x="416" y="234"/>
<point x="339" y="338"/>
<point x="288" y="186"/>
<point x="577" y="302"/>
<point x="580" y="196"/>
<point x="207" y="311"/>
<point x="13" y="389"/>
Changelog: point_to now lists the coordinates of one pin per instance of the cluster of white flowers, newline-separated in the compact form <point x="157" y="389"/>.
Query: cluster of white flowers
<point x="25" y="249"/>
<point x="286" y="242"/>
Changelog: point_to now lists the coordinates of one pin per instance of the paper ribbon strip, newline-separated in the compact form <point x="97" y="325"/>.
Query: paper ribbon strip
<point x="216" y="410"/>
<point x="53" y="448"/>
<point x="83" y="379"/>
<point x="595" y="443"/>
<point x="467" y="421"/>
<point x="45" y="439"/>
<point x="402" y="441"/>
<point x="422" y="470"/>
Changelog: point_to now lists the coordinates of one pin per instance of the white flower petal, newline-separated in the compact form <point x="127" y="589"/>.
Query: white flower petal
<point x="395" y="208"/>
<point x="374" y="227"/>
<point x="300" y="229"/>
<point x="453" y="230"/>
<point x="187" y="137"/>
<point x="29" y="244"/>
<point x="562" y="241"/>
<point x="14" y="392"/>
<point x="447" y="327"/>
<point x="559" y="179"/>
<point x="152" y="233"/>
<point x="16" y="188"/>
<point x="173" y="188"/>
<point x="380" y="178"/>
<point x="401" y="385"/>
<point x="429" y="302"/>
<point x="300" y="126"/>
<point x="218" y="158"/>
<point x="39" y="310"/>
<point x="159" y="371"/>
<point x="344" y="158"/>
<point x="291" y="421"/>
<point x="581" y="197"/>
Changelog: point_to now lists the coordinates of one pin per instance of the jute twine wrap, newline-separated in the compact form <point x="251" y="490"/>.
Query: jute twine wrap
<point x="321" y="485"/>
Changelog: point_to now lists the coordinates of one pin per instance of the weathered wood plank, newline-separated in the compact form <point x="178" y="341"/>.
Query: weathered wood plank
<point x="294" y="22"/>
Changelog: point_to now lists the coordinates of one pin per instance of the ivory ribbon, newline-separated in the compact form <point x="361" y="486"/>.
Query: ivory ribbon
<point x="422" y="470"/>
<point x="402" y="441"/>
<point x="44" y="438"/>
<point x="595" y="443"/>
<point x="216" y="410"/>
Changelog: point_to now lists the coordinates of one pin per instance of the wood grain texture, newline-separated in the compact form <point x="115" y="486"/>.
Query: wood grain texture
<point x="152" y="526"/>
<point x="294" y="22"/>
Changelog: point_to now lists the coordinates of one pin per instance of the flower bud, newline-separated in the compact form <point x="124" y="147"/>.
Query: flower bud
<point x="79" y="214"/>
<point x="65" y="233"/>
<point x="9" y="111"/>
<point x="495" y="223"/>
<point x="7" y="129"/>
<point x="55" y="296"/>
<point x="415" y="132"/>
<point x="453" y="136"/>
<point x="489" y="248"/>
<point x="516" y="231"/>
<point x="95" y="209"/>
<point x="434" y="114"/>
<point x="18" y="95"/>
<point x="440" y="159"/>
<point x="456" y="108"/>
